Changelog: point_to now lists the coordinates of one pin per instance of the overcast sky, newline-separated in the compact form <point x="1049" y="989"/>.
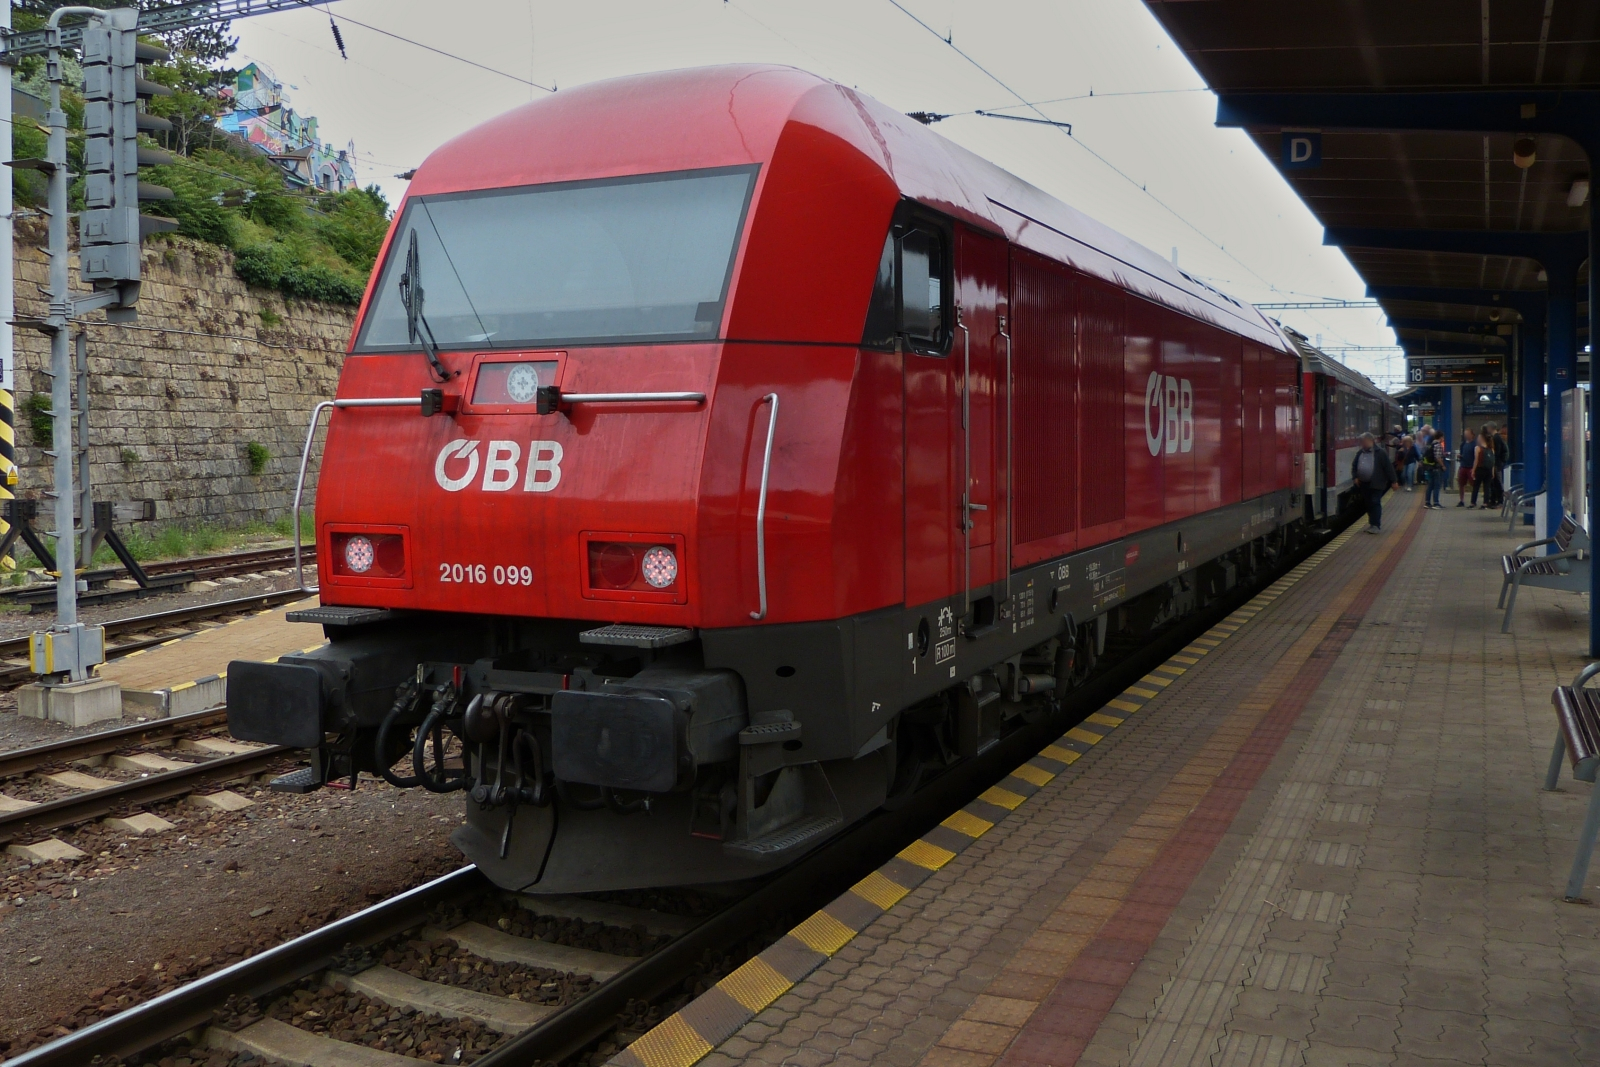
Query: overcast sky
<point x="1144" y="156"/>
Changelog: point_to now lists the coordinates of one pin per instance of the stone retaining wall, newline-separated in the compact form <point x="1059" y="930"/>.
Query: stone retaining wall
<point x="176" y="401"/>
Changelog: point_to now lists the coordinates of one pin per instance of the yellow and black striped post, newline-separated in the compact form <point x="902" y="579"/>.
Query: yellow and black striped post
<point x="8" y="464"/>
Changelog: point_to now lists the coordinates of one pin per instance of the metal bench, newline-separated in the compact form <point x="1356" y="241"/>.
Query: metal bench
<point x="1578" y="737"/>
<point x="1566" y="568"/>
<point x="1519" y="505"/>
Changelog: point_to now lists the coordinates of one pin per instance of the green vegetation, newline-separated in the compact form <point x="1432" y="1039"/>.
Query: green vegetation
<point x="303" y="244"/>
<point x="40" y="420"/>
<point x="129" y="457"/>
<point x="270" y="318"/>
<point x="256" y="453"/>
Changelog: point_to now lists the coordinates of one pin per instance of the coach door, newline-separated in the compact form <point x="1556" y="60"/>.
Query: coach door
<point x="953" y="364"/>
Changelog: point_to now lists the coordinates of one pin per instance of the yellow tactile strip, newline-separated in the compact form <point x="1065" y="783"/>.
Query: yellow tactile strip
<point x="716" y="1015"/>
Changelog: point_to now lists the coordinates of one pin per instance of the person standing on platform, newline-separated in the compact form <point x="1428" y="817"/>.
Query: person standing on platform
<point x="1408" y="462"/>
<point x="1482" y="470"/>
<point x="1464" y="463"/>
<point x="1437" y="460"/>
<point x="1374" y="474"/>
<point x="1502" y="456"/>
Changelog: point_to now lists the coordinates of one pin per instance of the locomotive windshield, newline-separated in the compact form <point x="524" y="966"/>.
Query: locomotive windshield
<point x="631" y="259"/>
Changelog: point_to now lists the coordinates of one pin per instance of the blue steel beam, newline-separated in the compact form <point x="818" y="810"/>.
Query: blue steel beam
<point x="1529" y="303"/>
<point x="1447" y="325"/>
<point x="1557" y="251"/>
<point x="1570" y="113"/>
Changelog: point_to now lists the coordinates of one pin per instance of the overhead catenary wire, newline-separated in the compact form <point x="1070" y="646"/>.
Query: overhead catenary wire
<point x="1023" y="101"/>
<point x="447" y="55"/>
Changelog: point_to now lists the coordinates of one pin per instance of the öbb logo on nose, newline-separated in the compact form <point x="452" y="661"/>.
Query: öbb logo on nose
<point x="1168" y="414"/>
<point x="500" y="466"/>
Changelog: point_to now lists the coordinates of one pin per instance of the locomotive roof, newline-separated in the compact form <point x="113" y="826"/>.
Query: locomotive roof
<point x="733" y="115"/>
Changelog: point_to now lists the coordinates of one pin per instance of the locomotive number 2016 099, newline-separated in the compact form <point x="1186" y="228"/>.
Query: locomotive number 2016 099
<point x="483" y="574"/>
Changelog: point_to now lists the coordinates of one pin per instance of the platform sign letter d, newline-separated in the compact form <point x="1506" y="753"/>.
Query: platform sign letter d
<point x="1302" y="150"/>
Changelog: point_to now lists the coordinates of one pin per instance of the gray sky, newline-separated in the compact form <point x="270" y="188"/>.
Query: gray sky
<point x="1143" y="157"/>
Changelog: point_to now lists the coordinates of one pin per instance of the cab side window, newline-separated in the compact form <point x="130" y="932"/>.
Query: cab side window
<point x="922" y="288"/>
<point x="910" y="297"/>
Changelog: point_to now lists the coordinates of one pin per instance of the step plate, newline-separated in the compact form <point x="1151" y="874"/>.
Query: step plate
<point x="302" y="781"/>
<point x="631" y="636"/>
<point x="338" y="616"/>
<point x="787" y="838"/>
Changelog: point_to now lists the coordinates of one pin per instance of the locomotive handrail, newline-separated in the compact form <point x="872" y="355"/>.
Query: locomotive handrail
<point x="967" y="506"/>
<point x="632" y="398"/>
<point x="305" y="457"/>
<point x="1011" y="435"/>
<point x="761" y="508"/>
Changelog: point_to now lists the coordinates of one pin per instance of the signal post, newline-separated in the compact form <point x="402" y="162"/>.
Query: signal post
<point x="66" y="656"/>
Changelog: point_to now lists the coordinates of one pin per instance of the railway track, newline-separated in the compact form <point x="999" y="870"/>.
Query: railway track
<point x="165" y="576"/>
<point x="120" y="769"/>
<point x="406" y="977"/>
<point x="137" y="632"/>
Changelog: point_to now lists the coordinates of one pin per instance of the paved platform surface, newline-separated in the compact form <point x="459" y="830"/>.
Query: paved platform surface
<point x="265" y="635"/>
<point x="1318" y="838"/>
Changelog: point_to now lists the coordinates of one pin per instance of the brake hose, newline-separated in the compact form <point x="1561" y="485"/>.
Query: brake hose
<point x="434" y="725"/>
<point x="404" y="702"/>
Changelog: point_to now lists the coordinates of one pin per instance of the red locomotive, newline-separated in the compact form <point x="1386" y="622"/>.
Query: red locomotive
<point x="720" y="454"/>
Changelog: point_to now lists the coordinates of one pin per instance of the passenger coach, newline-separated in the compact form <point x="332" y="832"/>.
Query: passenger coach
<point x="720" y="454"/>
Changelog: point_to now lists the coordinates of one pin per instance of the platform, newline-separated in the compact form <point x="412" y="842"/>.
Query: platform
<point x="1316" y="836"/>
<point x="190" y="673"/>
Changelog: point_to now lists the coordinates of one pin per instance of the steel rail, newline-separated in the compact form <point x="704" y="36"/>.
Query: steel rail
<point x="70" y="811"/>
<point x="189" y="1006"/>
<point x="23" y="760"/>
<point x="228" y="563"/>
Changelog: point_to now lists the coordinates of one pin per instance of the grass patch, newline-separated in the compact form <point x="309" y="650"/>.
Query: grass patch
<point x="257" y="455"/>
<point x="40" y="420"/>
<point x="180" y="542"/>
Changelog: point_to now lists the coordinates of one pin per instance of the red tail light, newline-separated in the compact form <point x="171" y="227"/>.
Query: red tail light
<point x="368" y="555"/>
<point x="633" y="566"/>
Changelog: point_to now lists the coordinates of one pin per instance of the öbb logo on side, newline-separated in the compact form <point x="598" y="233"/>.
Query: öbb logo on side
<point x="1168" y="414"/>
<point x="458" y="465"/>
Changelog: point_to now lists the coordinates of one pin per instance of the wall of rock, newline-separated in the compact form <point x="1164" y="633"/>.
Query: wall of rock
<point x="212" y="367"/>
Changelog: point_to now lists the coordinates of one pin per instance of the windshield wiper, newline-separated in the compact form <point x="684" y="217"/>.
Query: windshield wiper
<point x="416" y="324"/>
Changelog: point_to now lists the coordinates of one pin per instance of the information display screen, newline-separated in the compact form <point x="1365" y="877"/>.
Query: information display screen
<point x="1455" y="370"/>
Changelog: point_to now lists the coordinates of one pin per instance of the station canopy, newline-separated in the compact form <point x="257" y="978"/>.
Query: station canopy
<point x="1438" y="217"/>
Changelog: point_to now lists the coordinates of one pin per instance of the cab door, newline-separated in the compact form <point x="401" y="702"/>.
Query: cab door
<point x="952" y="293"/>
<point x="980" y="439"/>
